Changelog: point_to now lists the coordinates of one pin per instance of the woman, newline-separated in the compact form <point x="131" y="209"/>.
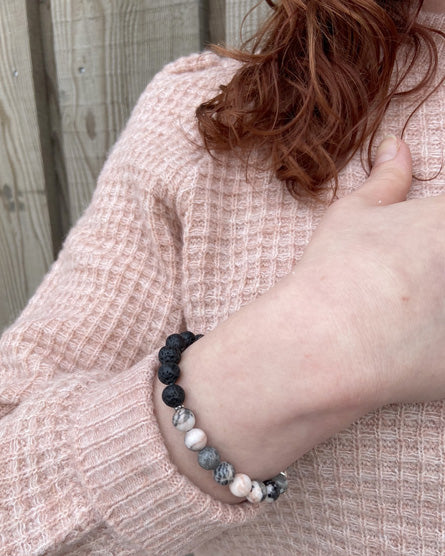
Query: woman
<point x="296" y="348"/>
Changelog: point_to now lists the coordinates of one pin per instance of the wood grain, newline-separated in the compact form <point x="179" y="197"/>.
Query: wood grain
<point x="105" y="54"/>
<point x="235" y="12"/>
<point x="26" y="249"/>
<point x="217" y="21"/>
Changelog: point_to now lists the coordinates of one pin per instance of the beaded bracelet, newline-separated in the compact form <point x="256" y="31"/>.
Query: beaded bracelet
<point x="196" y="439"/>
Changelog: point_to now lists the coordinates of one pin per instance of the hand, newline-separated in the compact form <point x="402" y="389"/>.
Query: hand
<point x="357" y="324"/>
<point x="379" y="261"/>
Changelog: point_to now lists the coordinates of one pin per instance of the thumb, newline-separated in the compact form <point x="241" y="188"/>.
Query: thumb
<point x="390" y="178"/>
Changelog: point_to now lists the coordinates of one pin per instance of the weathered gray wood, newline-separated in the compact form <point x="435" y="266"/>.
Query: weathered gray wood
<point x="217" y="21"/>
<point x="40" y="74"/>
<point x="26" y="249"/>
<point x="106" y="53"/>
<point x="235" y="12"/>
<point x="60" y="213"/>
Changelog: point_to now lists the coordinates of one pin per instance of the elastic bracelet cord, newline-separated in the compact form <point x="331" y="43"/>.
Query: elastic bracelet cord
<point x="195" y="439"/>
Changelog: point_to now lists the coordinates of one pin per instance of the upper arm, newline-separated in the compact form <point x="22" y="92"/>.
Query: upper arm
<point x="113" y="289"/>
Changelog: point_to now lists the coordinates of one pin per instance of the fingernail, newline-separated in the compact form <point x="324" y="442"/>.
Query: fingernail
<point x="387" y="149"/>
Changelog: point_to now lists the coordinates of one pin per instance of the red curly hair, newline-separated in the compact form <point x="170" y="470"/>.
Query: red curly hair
<point x="315" y="83"/>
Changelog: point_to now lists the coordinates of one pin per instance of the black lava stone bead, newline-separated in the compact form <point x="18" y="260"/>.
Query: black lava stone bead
<point x="188" y="338"/>
<point x="198" y="336"/>
<point x="169" y="355"/>
<point x="173" y="395"/>
<point x="175" y="341"/>
<point x="168" y="373"/>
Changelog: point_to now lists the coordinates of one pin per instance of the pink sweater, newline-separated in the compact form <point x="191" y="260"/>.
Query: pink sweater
<point x="170" y="241"/>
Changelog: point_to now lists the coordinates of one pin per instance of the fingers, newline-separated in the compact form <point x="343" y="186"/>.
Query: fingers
<point x="390" y="178"/>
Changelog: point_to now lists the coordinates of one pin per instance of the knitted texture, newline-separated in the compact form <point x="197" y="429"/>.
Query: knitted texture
<point x="174" y="240"/>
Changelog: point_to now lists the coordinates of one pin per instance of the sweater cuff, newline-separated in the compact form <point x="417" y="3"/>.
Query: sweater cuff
<point x="138" y="490"/>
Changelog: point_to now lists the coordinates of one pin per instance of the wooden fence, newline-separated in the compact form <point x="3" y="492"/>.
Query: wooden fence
<point x="71" y="71"/>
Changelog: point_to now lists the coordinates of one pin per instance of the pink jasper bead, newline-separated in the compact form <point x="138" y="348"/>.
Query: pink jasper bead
<point x="258" y="492"/>
<point x="241" y="485"/>
<point x="195" y="439"/>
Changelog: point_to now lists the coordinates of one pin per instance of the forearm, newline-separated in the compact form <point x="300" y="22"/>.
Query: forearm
<point x="264" y="384"/>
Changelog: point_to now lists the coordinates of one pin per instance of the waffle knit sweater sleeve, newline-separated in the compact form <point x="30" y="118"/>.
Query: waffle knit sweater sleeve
<point x="83" y="467"/>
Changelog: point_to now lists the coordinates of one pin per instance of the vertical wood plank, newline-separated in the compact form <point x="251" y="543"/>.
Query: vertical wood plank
<point x="60" y="181"/>
<point x="26" y="249"/>
<point x="217" y="21"/>
<point x="235" y="12"/>
<point x="40" y="75"/>
<point x="105" y="54"/>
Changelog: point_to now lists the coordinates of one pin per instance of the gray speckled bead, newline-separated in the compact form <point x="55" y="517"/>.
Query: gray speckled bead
<point x="183" y="419"/>
<point x="241" y="485"/>
<point x="195" y="439"/>
<point x="281" y="481"/>
<point x="224" y="473"/>
<point x="258" y="492"/>
<point x="273" y="491"/>
<point x="208" y="458"/>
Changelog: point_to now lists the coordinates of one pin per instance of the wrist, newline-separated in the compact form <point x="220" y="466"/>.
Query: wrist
<point x="184" y="459"/>
<point x="266" y="385"/>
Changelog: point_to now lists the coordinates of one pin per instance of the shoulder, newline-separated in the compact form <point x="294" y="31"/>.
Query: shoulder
<point x="198" y="61"/>
<point x="161" y="136"/>
<point x="174" y="93"/>
<point x="205" y="67"/>
<point x="185" y="83"/>
<point x="160" y="145"/>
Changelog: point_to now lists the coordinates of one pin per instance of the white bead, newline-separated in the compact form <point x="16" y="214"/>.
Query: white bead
<point x="195" y="439"/>
<point x="258" y="492"/>
<point x="183" y="419"/>
<point x="241" y="485"/>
